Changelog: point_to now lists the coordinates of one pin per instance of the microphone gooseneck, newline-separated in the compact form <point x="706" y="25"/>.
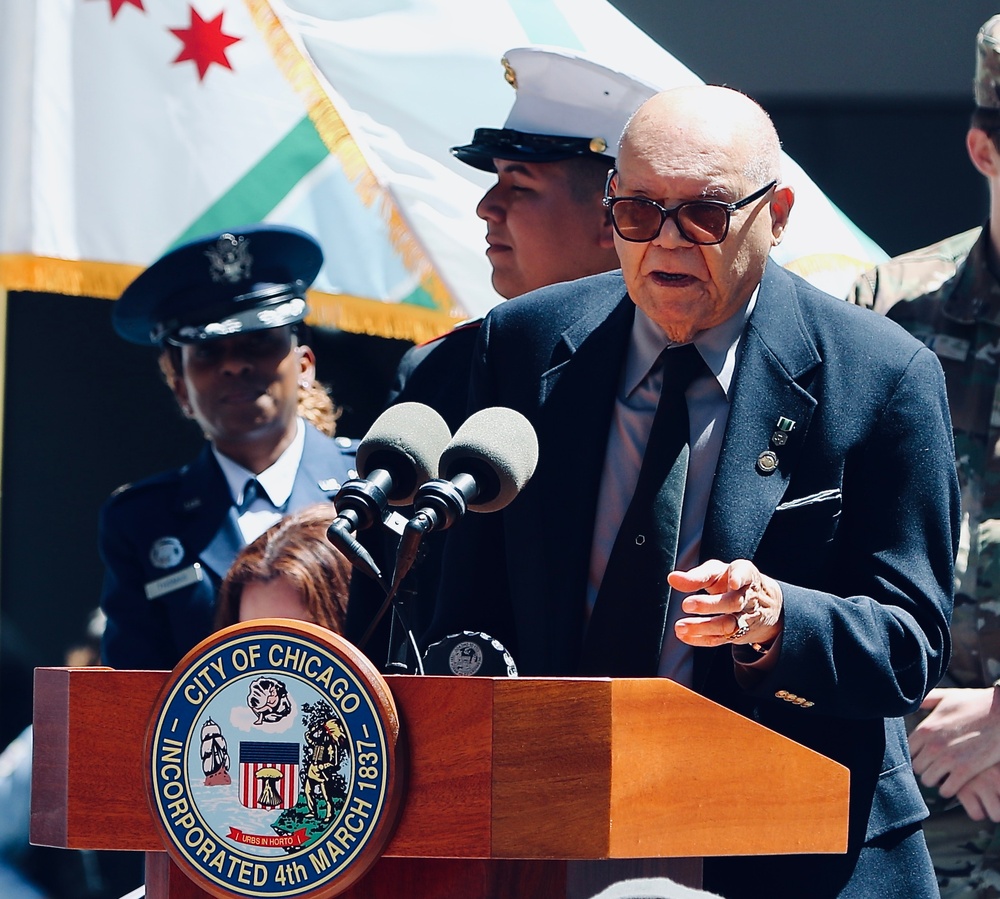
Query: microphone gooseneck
<point x="399" y="452"/>
<point x="484" y="466"/>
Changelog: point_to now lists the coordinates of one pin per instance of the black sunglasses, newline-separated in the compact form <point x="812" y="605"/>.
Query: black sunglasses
<point x="702" y="222"/>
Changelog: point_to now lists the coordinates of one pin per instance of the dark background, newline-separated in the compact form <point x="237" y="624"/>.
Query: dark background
<point x="84" y="413"/>
<point x="871" y="99"/>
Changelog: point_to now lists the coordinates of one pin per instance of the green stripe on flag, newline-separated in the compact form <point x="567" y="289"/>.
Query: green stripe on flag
<point x="544" y="24"/>
<point x="419" y="297"/>
<point x="261" y="189"/>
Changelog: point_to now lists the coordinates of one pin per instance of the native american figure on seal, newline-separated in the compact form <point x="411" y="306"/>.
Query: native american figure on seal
<point x="326" y="745"/>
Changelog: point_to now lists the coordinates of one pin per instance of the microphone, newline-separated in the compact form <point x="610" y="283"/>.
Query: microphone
<point x="398" y="454"/>
<point x="484" y="466"/>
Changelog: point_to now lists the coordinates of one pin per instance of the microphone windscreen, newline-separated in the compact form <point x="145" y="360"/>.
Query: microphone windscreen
<point x="498" y="447"/>
<point x="407" y="441"/>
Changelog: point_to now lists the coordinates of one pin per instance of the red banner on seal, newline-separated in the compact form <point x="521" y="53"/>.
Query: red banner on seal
<point x="266" y="840"/>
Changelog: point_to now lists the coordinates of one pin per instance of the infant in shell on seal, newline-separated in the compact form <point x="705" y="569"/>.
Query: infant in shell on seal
<point x="268" y="699"/>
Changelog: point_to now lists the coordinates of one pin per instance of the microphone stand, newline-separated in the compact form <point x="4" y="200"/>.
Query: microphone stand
<point x="397" y="590"/>
<point x="404" y="654"/>
<point x="442" y="503"/>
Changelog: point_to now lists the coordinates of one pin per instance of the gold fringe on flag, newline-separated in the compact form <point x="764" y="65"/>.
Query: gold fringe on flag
<point x="46" y="274"/>
<point x="308" y="84"/>
<point x="847" y="268"/>
<point x="107" y="280"/>
<point x="402" y="321"/>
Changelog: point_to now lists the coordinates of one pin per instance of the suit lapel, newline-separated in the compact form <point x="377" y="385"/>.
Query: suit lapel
<point x="777" y="352"/>
<point x="206" y="502"/>
<point x="577" y="396"/>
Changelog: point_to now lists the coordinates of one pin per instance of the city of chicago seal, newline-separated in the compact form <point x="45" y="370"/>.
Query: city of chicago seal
<point x="271" y="762"/>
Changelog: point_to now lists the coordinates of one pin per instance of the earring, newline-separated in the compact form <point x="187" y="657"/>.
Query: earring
<point x="304" y="384"/>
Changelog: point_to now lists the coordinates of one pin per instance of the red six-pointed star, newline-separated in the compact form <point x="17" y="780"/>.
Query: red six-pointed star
<point x="118" y="4"/>
<point x="204" y="43"/>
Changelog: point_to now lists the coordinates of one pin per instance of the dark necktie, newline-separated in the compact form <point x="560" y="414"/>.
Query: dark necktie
<point x="625" y="633"/>
<point x="253" y="490"/>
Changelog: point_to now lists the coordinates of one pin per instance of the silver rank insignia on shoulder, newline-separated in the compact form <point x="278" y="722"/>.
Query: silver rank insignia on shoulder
<point x="183" y="578"/>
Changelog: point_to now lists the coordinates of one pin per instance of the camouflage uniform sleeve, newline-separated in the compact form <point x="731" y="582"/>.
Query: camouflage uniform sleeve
<point x="912" y="274"/>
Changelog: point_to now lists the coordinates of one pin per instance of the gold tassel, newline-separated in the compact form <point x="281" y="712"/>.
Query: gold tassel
<point x="107" y="280"/>
<point x="307" y="83"/>
<point x="402" y="321"/>
<point x="45" y="274"/>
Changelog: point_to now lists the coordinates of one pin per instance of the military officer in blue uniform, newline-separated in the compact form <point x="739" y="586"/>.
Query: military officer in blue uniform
<point x="226" y="311"/>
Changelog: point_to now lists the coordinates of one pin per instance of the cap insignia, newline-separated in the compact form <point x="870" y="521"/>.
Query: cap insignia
<point x="214" y="329"/>
<point x="598" y="145"/>
<point x="283" y="314"/>
<point x="230" y="259"/>
<point x="510" y="76"/>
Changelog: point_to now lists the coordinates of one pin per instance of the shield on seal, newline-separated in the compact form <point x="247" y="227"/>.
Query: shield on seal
<point x="269" y="774"/>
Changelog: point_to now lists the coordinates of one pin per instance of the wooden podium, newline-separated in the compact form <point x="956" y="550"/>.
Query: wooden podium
<point x="512" y="783"/>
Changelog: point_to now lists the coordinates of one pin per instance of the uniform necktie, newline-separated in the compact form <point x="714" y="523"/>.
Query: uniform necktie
<point x="625" y="633"/>
<point x="252" y="491"/>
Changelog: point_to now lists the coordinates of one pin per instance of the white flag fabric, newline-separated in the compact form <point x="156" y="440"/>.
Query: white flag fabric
<point x="127" y="126"/>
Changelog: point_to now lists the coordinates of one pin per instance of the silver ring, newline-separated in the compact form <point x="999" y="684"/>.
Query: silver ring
<point x="742" y="629"/>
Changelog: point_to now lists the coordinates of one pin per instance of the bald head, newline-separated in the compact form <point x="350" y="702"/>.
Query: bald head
<point x="687" y="145"/>
<point x="708" y="119"/>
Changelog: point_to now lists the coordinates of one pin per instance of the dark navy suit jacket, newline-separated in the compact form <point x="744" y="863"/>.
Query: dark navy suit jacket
<point x="162" y="526"/>
<point x="435" y="374"/>
<point x="859" y="522"/>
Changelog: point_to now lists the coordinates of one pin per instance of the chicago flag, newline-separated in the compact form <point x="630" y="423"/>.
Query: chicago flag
<point x="127" y="126"/>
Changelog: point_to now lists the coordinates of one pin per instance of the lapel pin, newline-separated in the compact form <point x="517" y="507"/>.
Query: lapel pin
<point x="782" y="429"/>
<point x="767" y="462"/>
<point x="329" y="484"/>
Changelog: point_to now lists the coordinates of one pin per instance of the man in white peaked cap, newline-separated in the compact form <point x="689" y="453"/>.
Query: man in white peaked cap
<point x="544" y="220"/>
<point x="545" y="223"/>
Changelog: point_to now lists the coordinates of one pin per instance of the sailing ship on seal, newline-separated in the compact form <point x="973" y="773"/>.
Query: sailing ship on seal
<point x="214" y="755"/>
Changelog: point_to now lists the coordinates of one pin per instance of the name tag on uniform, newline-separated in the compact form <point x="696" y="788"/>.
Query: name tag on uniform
<point x="183" y="578"/>
<point x="949" y="347"/>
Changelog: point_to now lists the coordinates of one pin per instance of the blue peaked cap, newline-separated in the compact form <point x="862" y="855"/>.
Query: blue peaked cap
<point x="226" y="283"/>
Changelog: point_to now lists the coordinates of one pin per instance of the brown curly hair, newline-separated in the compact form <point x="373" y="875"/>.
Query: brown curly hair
<point x="297" y="549"/>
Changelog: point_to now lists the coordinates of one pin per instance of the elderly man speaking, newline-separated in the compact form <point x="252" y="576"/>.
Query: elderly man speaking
<point x="784" y="457"/>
